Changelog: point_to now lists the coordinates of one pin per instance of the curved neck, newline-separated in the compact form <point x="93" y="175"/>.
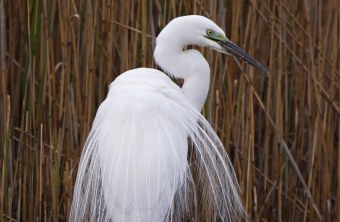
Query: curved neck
<point x="196" y="89"/>
<point x="188" y="65"/>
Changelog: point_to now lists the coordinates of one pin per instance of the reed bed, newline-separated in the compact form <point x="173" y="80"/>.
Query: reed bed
<point x="282" y="131"/>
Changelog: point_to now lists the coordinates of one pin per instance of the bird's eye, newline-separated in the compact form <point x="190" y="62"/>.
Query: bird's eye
<point x="209" y="32"/>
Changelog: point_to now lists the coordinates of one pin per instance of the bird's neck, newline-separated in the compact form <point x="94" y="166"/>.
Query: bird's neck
<point x="188" y="65"/>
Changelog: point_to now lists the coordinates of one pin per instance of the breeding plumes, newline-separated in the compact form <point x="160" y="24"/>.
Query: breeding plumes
<point x="134" y="165"/>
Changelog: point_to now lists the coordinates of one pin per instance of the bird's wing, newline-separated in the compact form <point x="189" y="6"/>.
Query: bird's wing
<point x="144" y="147"/>
<point x="135" y="164"/>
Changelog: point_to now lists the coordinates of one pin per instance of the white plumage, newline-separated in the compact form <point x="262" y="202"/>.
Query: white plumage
<point x="134" y="165"/>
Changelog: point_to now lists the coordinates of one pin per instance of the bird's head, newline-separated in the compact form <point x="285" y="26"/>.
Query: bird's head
<point x="199" y="30"/>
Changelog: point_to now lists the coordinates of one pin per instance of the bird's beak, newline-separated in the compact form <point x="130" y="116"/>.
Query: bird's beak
<point x="229" y="47"/>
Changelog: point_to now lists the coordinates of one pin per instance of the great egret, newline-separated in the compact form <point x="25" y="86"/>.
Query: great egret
<point x="134" y="165"/>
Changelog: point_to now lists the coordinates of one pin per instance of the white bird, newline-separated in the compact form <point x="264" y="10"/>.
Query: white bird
<point x="134" y="165"/>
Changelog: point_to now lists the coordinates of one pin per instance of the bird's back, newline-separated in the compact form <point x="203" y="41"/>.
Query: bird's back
<point x="134" y="163"/>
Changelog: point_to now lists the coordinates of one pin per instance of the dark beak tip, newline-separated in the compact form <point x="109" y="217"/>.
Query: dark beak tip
<point x="234" y="50"/>
<point x="265" y="70"/>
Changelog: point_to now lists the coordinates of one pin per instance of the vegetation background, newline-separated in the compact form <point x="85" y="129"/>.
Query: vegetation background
<point x="282" y="131"/>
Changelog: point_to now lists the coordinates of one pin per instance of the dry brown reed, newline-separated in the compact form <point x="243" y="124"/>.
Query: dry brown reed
<point x="282" y="131"/>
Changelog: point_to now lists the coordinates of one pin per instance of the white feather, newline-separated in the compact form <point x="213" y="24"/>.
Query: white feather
<point x="135" y="158"/>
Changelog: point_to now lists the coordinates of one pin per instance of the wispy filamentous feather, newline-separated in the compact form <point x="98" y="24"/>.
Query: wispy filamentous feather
<point x="135" y="166"/>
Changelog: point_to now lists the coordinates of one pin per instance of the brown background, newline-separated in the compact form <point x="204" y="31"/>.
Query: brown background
<point x="58" y="57"/>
